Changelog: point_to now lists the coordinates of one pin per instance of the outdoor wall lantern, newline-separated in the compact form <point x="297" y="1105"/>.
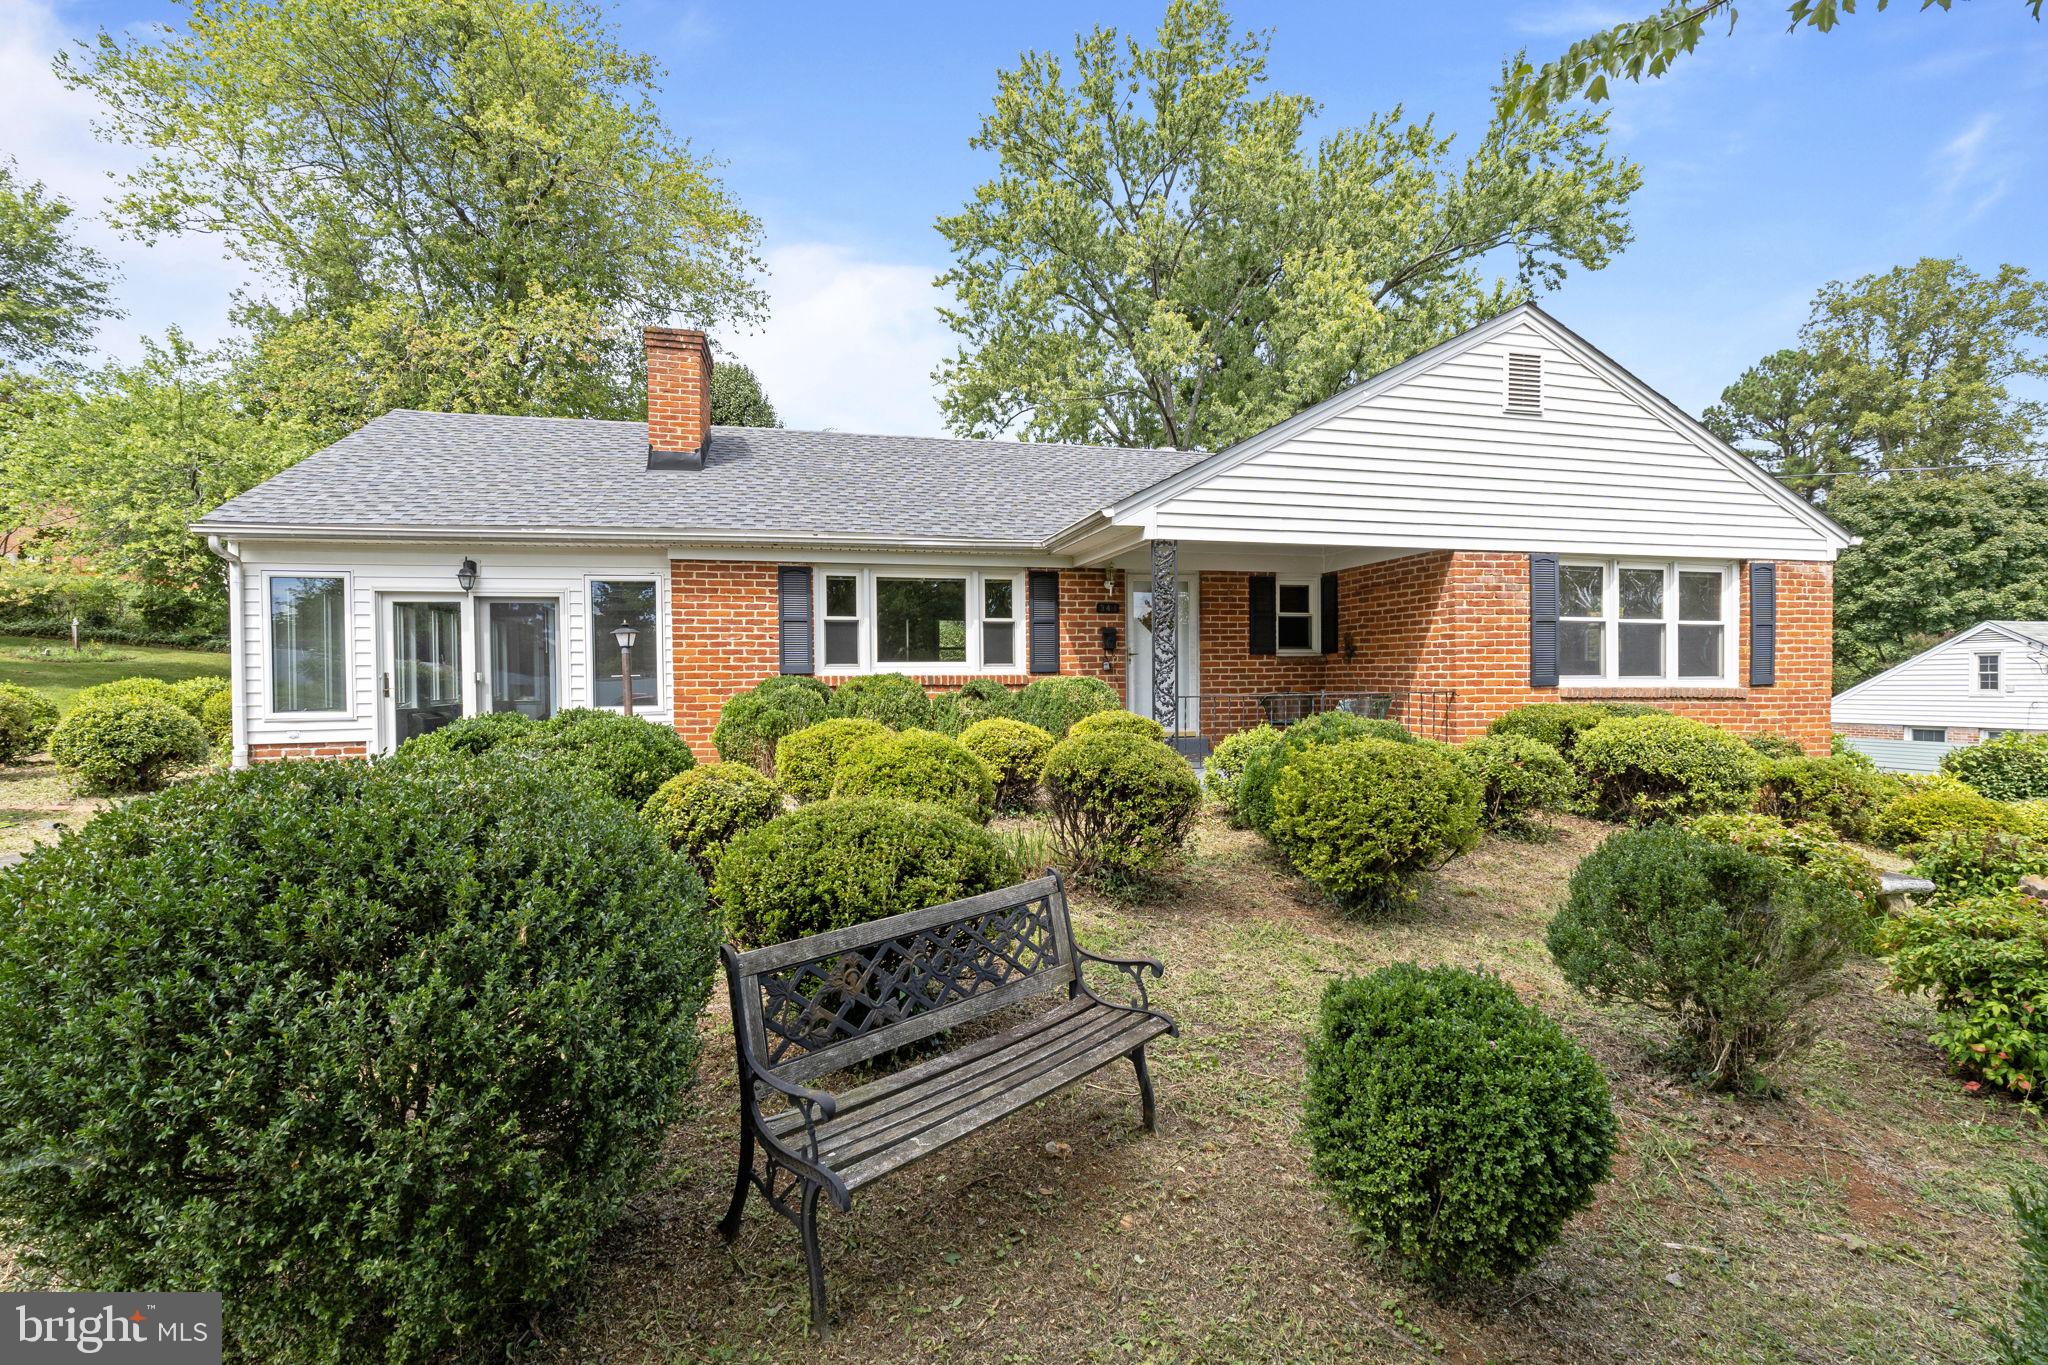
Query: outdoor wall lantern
<point x="465" y="577"/>
<point x="626" y="635"/>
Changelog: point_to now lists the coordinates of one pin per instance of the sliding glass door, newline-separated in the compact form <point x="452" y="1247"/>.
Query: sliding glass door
<point x="520" y="646"/>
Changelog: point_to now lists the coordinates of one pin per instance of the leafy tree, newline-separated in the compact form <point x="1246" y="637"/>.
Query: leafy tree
<point x="52" y="290"/>
<point x="737" y="399"/>
<point x="1648" y="46"/>
<point x="1159" y="261"/>
<point x="1908" y="370"/>
<point x="447" y="168"/>
<point x="137" y="453"/>
<point x="1938" y="555"/>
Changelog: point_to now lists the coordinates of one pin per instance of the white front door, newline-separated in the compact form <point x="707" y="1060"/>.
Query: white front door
<point x="1140" y="684"/>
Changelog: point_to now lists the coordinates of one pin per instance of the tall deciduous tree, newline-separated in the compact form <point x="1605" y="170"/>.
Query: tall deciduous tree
<point x="1911" y="370"/>
<point x="1159" y="261"/>
<point x="737" y="399"/>
<point x="52" y="290"/>
<point x="445" y="163"/>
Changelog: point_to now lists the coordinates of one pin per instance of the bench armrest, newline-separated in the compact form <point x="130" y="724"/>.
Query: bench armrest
<point x="803" y="1096"/>
<point x="1135" y="968"/>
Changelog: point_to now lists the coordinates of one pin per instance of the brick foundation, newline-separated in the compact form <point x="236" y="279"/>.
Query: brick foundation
<point x="277" y="753"/>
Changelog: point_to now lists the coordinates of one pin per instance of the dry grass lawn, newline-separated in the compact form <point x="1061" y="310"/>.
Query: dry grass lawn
<point x="1861" y="1217"/>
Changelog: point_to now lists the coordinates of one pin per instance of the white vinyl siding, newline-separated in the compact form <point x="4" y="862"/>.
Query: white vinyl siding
<point x="1940" y="689"/>
<point x="1437" y="461"/>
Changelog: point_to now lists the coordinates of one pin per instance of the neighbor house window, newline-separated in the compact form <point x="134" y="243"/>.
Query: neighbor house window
<point x="1644" y="622"/>
<point x="1296" y="616"/>
<point x="1921" y="736"/>
<point x="616" y="603"/>
<point x="1987" y="672"/>
<point x="960" y="622"/>
<point x="308" y="644"/>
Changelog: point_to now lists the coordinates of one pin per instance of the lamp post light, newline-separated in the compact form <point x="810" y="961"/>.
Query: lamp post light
<point x="626" y="635"/>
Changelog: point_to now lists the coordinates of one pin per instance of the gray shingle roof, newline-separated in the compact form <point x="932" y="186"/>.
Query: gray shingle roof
<point x="424" y="471"/>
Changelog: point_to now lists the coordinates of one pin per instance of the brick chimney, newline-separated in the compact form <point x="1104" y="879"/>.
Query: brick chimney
<point x="678" y="398"/>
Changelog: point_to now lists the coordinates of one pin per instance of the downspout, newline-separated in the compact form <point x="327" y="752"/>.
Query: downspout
<point x="238" y="685"/>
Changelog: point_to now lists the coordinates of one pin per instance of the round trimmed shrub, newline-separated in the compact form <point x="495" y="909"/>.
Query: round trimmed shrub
<point x="753" y="722"/>
<point x="1845" y="792"/>
<point x="1232" y="756"/>
<point x="1129" y="722"/>
<point x="844" y="862"/>
<point x="1811" y="849"/>
<point x="631" y="757"/>
<point x="1560" y="723"/>
<point x="126" y="744"/>
<point x="700" y="811"/>
<point x="896" y="701"/>
<point x="807" y="761"/>
<point x="1945" y="807"/>
<point x="473" y="735"/>
<point x="1054" y="704"/>
<point x="1121" y="804"/>
<point x="1460" y="1128"/>
<point x="217" y="718"/>
<point x="126" y="689"/>
<point x="1015" y="754"/>
<point x="1252" y="792"/>
<point x="975" y="700"/>
<point x="918" y="765"/>
<point x="1362" y="818"/>
<point x="26" y="719"/>
<point x="1644" y="768"/>
<point x="413" y="1032"/>
<point x="190" y="696"/>
<point x="1517" y="777"/>
<point x="1731" y="944"/>
<point x="1774" y="745"/>
<point x="2011" y="767"/>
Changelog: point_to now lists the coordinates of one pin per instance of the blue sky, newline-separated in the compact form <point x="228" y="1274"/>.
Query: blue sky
<point x="1772" y="162"/>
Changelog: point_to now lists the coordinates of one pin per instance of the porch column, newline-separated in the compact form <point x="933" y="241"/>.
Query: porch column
<point x="1166" y="635"/>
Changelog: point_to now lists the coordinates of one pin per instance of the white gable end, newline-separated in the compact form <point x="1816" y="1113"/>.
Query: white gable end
<point x="1436" y="459"/>
<point x="1944" y="687"/>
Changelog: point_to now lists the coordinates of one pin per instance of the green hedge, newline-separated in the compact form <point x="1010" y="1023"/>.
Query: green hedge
<point x="1015" y="754"/>
<point x="893" y="699"/>
<point x="918" y="765"/>
<point x="1517" y="777"/>
<point x="1252" y="790"/>
<point x="1237" y="751"/>
<point x="1460" y="1128"/>
<point x="1054" y="704"/>
<point x="1810" y="849"/>
<point x="1945" y="807"/>
<point x="1363" y="818"/>
<point x="26" y="719"/>
<point x="1560" y="723"/>
<point x="2010" y="767"/>
<point x="843" y="862"/>
<point x="127" y="689"/>
<point x="1845" y="792"/>
<point x="1644" y="768"/>
<point x="376" y="1052"/>
<point x="624" y="755"/>
<point x="1121" y="805"/>
<point x="2022" y="1338"/>
<point x="974" y="701"/>
<point x="126" y="742"/>
<point x="1129" y="722"/>
<point x="753" y="722"/>
<point x="701" y="811"/>
<point x="807" y="761"/>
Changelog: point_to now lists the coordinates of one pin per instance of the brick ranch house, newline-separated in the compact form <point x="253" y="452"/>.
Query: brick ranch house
<point x="1508" y="517"/>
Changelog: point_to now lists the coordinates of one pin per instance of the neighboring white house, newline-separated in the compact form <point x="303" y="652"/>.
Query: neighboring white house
<point x="1982" y="682"/>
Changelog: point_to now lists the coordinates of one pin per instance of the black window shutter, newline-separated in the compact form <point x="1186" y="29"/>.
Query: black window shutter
<point x="1329" y="613"/>
<point x="1043" y="595"/>
<point x="1265" y="614"/>
<point x="1763" y="625"/>
<point x="797" y="640"/>
<point x="1542" y="620"/>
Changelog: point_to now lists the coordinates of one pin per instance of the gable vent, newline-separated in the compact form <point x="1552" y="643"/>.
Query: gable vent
<point x="1525" y="383"/>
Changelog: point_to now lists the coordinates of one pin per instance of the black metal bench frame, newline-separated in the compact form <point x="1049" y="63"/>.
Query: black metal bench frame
<point x="816" y="1005"/>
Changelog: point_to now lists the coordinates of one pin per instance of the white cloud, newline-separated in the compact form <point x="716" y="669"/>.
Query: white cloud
<point x="850" y="342"/>
<point x="1574" y="21"/>
<point x="182" y="281"/>
<point x="1973" y="170"/>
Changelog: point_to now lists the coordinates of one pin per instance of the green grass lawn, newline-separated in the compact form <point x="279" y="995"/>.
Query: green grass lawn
<point x="61" y="679"/>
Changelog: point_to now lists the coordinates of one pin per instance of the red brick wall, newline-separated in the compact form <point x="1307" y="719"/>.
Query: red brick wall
<point x="1860" y="730"/>
<point x="725" y="631"/>
<point x="274" y="753"/>
<point x="678" y="389"/>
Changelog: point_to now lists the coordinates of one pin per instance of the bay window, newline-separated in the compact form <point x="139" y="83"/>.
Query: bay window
<point x="1643" y="623"/>
<point x="916" y="620"/>
<point x="308" y="643"/>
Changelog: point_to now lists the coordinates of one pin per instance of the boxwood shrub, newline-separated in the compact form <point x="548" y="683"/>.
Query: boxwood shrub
<point x="1054" y="704"/>
<point x="1232" y="756"/>
<point x="1643" y="768"/>
<point x="1363" y="818"/>
<point x="807" y="761"/>
<point x="2022" y="1337"/>
<point x="1984" y="961"/>
<point x="376" y="1051"/>
<point x="1015" y="753"/>
<point x="1460" y="1128"/>
<point x="975" y="700"/>
<point x="217" y="718"/>
<point x="700" y="811"/>
<point x="190" y="695"/>
<point x="1121" y="804"/>
<point x="2010" y="767"/>
<point x="1945" y="807"/>
<point x="1128" y="721"/>
<point x="1774" y="745"/>
<point x="895" y="700"/>
<point x="625" y="755"/>
<point x="126" y="743"/>
<point x="126" y="689"/>
<point x="473" y="735"/>
<point x="1517" y="777"/>
<point x="842" y="862"/>
<point x="1845" y="792"/>
<point x="1560" y="723"/>
<point x="753" y="722"/>
<point x="1252" y="791"/>
<point x="1810" y="848"/>
<point x="26" y="719"/>
<point x="1732" y="945"/>
<point x="918" y="765"/>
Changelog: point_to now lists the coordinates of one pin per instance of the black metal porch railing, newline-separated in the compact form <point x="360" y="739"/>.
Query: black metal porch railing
<point x="1423" y="711"/>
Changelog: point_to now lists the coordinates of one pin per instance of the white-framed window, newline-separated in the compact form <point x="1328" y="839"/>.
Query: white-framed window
<point x="1295" y="612"/>
<point x="1987" y="673"/>
<point x="1646" y="622"/>
<point x="306" y="622"/>
<point x="913" y="619"/>
<point x="625" y="602"/>
<point x="1924" y="735"/>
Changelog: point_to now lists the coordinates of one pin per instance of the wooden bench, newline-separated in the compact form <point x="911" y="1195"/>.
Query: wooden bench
<point x="816" y="1005"/>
